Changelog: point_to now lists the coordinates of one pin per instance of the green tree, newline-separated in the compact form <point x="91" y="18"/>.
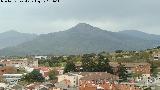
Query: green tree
<point x="149" y="88"/>
<point x="88" y="63"/>
<point x="122" y="73"/>
<point x="46" y="64"/>
<point x="158" y="47"/>
<point x="154" y="70"/>
<point x="118" y="51"/>
<point x="52" y="75"/>
<point x="70" y="67"/>
<point x="54" y="61"/>
<point x="34" y="76"/>
<point x="103" y="64"/>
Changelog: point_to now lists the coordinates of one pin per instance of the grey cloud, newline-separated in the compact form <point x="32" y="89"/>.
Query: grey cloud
<point x="112" y="15"/>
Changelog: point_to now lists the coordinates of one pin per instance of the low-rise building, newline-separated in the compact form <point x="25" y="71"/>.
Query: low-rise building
<point x="44" y="71"/>
<point x="137" y="68"/>
<point x="108" y="86"/>
<point x="76" y="79"/>
<point x="59" y="70"/>
<point x="19" y="63"/>
<point x="40" y="57"/>
<point x="41" y="86"/>
<point x="156" y="56"/>
<point x="103" y="81"/>
<point x="68" y="80"/>
<point x="12" y="79"/>
<point x="97" y="81"/>
<point x="3" y="85"/>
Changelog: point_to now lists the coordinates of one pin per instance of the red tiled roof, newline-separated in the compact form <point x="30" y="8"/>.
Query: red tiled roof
<point x="45" y="69"/>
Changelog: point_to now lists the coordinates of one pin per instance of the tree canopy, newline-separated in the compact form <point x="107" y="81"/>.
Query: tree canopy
<point x="122" y="73"/>
<point x="70" y="67"/>
<point x="52" y="75"/>
<point x="34" y="76"/>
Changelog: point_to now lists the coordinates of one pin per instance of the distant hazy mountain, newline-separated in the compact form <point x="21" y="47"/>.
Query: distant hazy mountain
<point x="83" y="38"/>
<point x="13" y="38"/>
<point x="139" y="34"/>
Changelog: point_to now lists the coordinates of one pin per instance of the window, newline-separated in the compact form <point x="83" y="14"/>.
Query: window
<point x="2" y="70"/>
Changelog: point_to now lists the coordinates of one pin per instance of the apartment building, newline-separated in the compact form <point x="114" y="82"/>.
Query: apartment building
<point x="76" y="79"/>
<point x="137" y="68"/>
<point x="19" y="63"/>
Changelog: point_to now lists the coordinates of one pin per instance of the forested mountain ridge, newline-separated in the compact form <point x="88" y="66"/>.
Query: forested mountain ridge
<point x="82" y="38"/>
<point x="13" y="38"/>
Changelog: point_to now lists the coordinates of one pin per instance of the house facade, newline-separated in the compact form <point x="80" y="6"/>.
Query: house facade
<point x="19" y="63"/>
<point x="136" y="68"/>
<point x="12" y="79"/>
<point x="78" y="79"/>
<point x="156" y="56"/>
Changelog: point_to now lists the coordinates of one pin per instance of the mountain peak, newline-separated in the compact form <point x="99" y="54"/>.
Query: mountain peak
<point x="11" y="31"/>
<point x="82" y="27"/>
<point x="80" y="39"/>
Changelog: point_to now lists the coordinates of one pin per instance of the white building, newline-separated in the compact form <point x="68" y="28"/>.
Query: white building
<point x="12" y="78"/>
<point x="3" y="85"/>
<point x="156" y="56"/>
<point x="71" y="79"/>
<point x="40" y="57"/>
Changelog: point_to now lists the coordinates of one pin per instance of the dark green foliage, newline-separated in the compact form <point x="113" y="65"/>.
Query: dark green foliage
<point x="118" y="51"/>
<point x="53" y="62"/>
<point x="103" y="64"/>
<point x="149" y="88"/>
<point x="52" y="75"/>
<point x="88" y="63"/>
<point x="34" y="76"/>
<point x="158" y="47"/>
<point x="154" y="70"/>
<point x="70" y="67"/>
<point x="95" y="63"/>
<point x="122" y="73"/>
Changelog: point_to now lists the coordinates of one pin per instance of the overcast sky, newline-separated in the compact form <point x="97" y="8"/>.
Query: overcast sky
<point x="112" y="15"/>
